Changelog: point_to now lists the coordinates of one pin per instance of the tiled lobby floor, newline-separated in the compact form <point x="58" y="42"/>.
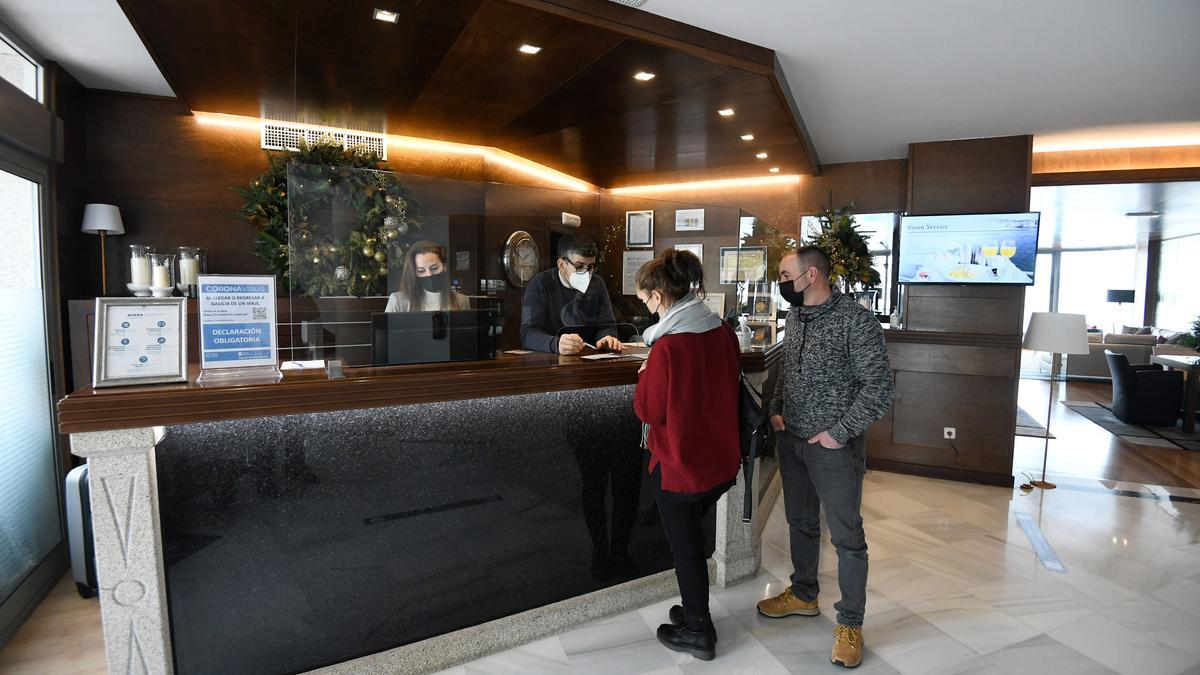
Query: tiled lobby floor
<point x="954" y="587"/>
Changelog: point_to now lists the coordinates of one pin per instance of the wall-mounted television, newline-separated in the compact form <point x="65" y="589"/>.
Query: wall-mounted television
<point x="983" y="248"/>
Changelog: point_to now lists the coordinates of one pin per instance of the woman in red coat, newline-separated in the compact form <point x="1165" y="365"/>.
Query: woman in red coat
<point x="687" y="399"/>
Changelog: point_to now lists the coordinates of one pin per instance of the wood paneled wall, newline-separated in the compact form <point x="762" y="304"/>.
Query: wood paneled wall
<point x="957" y="361"/>
<point x="874" y="187"/>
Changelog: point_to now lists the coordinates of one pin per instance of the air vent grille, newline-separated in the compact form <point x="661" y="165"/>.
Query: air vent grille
<point x="284" y="136"/>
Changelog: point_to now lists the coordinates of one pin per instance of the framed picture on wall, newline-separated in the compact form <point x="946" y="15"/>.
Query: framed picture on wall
<point x="639" y="229"/>
<point x="695" y="249"/>
<point x="689" y="220"/>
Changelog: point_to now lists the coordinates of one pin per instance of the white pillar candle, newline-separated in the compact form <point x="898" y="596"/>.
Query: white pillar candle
<point x="189" y="270"/>
<point x="139" y="270"/>
<point x="162" y="277"/>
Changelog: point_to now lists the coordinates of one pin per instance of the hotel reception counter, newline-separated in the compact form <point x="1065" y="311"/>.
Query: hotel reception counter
<point x="399" y="519"/>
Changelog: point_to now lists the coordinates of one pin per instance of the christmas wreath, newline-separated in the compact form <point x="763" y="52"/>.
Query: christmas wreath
<point x="296" y="236"/>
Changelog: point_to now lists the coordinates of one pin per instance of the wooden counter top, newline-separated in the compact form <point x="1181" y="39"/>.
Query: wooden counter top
<point x="90" y="409"/>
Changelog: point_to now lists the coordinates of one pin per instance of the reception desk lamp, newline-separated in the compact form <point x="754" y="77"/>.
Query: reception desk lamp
<point x="102" y="219"/>
<point x="1058" y="334"/>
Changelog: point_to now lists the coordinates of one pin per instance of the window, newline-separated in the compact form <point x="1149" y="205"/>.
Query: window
<point x="878" y="229"/>
<point x="19" y="69"/>
<point x="1084" y="280"/>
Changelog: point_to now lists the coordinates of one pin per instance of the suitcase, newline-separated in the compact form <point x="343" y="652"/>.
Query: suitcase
<point x="79" y="532"/>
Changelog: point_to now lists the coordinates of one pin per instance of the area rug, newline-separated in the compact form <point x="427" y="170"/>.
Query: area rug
<point x="1155" y="437"/>
<point x="1027" y="426"/>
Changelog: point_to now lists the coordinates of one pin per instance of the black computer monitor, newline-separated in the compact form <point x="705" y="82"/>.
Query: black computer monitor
<point x="434" y="337"/>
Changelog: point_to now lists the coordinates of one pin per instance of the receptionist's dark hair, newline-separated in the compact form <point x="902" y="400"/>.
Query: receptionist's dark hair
<point x="674" y="274"/>
<point x="577" y="244"/>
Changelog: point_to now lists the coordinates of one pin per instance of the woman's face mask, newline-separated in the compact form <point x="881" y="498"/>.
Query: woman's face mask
<point x="434" y="283"/>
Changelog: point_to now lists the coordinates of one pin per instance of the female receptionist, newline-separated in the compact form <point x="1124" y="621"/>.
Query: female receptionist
<point x="423" y="283"/>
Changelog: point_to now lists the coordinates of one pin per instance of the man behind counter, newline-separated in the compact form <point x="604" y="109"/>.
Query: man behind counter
<point x="568" y="296"/>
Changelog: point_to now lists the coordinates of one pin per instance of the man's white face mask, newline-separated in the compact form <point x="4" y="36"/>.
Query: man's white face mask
<point x="580" y="280"/>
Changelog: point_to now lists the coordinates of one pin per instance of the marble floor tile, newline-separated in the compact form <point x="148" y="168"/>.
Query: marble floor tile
<point x="911" y="644"/>
<point x="974" y="622"/>
<point x="1121" y="648"/>
<point x="622" y="644"/>
<point x="1184" y="595"/>
<point x="1169" y="625"/>
<point x="942" y="526"/>
<point x="893" y="537"/>
<point x="905" y="582"/>
<point x="1041" y="654"/>
<point x="886" y="504"/>
<point x="737" y="652"/>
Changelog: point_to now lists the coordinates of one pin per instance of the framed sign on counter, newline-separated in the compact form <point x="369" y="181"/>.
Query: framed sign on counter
<point x="238" y="334"/>
<point x="743" y="264"/>
<point x="140" y="341"/>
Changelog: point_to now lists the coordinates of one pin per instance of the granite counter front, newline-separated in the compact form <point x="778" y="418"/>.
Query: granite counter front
<point x="401" y="519"/>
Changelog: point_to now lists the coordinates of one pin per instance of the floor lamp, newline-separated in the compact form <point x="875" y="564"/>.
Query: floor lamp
<point x="102" y="219"/>
<point x="1058" y="334"/>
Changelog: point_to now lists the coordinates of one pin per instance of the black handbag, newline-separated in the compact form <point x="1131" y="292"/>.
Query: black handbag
<point x="754" y="417"/>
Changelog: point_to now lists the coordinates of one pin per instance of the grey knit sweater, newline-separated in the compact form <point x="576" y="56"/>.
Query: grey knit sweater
<point x="834" y="375"/>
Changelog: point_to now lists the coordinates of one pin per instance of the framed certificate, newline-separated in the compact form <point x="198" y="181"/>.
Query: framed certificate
<point x="140" y="341"/>
<point x="639" y="229"/>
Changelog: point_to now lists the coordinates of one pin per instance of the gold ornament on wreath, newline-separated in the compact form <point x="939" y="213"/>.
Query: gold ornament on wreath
<point x="315" y="259"/>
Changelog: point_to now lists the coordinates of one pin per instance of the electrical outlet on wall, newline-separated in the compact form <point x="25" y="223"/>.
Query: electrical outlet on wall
<point x="949" y="433"/>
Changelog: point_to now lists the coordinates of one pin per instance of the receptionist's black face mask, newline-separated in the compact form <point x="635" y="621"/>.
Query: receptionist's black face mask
<point x="435" y="283"/>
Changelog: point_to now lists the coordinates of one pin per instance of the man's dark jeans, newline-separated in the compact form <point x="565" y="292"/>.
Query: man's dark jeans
<point x="816" y="477"/>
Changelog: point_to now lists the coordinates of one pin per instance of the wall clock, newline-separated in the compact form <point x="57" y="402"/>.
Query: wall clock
<point x="521" y="259"/>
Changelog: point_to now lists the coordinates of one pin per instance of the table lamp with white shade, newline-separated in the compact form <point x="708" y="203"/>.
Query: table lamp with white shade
<point x="1058" y="334"/>
<point x="102" y="219"/>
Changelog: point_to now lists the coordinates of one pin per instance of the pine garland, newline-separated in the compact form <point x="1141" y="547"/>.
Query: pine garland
<point x="849" y="255"/>
<point x="295" y="238"/>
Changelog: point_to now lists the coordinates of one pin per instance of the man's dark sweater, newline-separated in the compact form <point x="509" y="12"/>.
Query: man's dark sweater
<point x="548" y="306"/>
<point x="834" y="375"/>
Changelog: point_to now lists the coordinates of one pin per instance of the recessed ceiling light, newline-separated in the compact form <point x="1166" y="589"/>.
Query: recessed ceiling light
<point x="747" y="137"/>
<point x="761" y="155"/>
<point x="384" y="15"/>
<point x="529" y="49"/>
<point x="644" y="76"/>
<point x="774" y="169"/>
<point x="725" y="112"/>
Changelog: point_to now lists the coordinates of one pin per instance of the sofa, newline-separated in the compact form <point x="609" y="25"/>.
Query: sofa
<point x="1093" y="365"/>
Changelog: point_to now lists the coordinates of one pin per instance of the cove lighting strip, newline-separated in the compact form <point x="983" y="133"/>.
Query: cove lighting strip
<point x="790" y="179"/>
<point x="489" y="154"/>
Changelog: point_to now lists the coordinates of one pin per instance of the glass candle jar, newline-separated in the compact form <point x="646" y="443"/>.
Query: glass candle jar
<point x="192" y="263"/>
<point x="139" y="269"/>
<point x="162" y="275"/>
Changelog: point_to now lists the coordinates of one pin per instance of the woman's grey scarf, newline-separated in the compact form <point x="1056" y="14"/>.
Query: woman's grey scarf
<point x="688" y="315"/>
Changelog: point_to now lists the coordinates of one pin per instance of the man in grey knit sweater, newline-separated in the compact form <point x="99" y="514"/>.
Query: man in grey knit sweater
<point x="834" y="381"/>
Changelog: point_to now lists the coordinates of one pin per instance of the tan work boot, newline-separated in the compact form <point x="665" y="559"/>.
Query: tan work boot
<point x="847" y="646"/>
<point x="787" y="604"/>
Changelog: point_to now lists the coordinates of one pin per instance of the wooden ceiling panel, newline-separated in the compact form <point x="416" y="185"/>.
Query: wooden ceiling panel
<point x="484" y="83"/>
<point x="606" y="87"/>
<point x="450" y="70"/>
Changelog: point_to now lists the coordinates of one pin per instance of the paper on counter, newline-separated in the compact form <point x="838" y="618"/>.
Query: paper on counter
<point x="518" y="352"/>
<point x="601" y="357"/>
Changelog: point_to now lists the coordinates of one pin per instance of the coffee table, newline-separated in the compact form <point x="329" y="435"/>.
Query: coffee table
<point x="1191" y="367"/>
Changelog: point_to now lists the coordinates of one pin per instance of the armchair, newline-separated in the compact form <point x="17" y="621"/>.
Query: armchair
<point x="1144" y="394"/>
